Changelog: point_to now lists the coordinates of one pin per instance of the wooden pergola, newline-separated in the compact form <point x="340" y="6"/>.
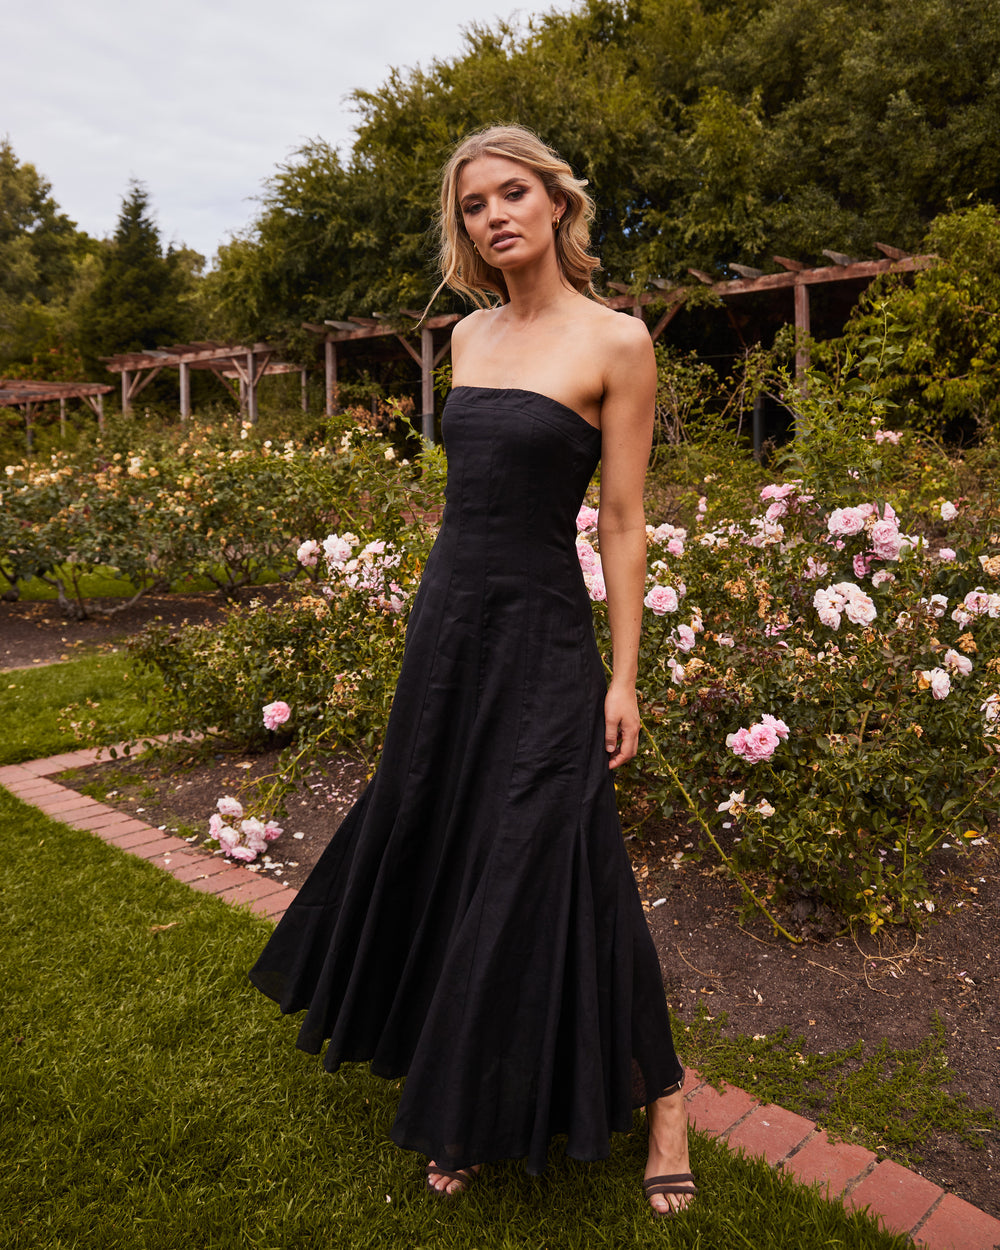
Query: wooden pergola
<point x="359" y="329"/>
<point x="27" y="392"/>
<point x="792" y="276"/>
<point x="228" y="361"/>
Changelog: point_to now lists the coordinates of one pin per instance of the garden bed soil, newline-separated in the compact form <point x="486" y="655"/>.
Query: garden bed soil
<point x="36" y="632"/>
<point x="832" y="990"/>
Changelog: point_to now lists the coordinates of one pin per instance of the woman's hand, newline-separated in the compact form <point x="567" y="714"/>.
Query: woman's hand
<point x="621" y="724"/>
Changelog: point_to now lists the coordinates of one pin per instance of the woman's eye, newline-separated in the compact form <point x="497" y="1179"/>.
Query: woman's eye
<point x="515" y="193"/>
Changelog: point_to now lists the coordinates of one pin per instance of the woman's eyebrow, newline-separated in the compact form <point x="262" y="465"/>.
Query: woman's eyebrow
<point x="477" y="195"/>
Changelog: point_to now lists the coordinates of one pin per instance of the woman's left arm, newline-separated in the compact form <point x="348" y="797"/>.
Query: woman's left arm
<point x="627" y="415"/>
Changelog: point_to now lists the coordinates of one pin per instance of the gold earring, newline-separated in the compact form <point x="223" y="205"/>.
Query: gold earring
<point x="555" y="223"/>
<point x="475" y="249"/>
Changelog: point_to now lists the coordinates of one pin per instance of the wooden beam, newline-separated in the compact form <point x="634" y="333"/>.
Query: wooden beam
<point x="801" y="329"/>
<point x="746" y="271"/>
<point x="894" y="253"/>
<point x="702" y="276"/>
<point x="427" y="382"/>
<point x="185" y="383"/>
<point x="793" y="266"/>
<point x="839" y="258"/>
<point x="417" y="356"/>
<point x="666" y="319"/>
<point x="330" y="371"/>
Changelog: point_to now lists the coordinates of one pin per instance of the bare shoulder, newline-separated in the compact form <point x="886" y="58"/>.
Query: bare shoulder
<point x="620" y="341"/>
<point x="468" y="330"/>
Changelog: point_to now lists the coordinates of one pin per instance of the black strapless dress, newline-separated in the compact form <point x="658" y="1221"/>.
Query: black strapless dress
<point x="474" y="923"/>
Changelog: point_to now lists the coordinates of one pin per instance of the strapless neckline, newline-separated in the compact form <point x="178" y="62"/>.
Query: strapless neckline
<point x="501" y="392"/>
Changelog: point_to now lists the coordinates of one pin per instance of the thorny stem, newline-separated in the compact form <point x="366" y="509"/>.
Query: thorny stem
<point x="726" y="859"/>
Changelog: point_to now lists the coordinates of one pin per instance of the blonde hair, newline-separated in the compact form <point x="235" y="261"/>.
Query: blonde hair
<point x="462" y="267"/>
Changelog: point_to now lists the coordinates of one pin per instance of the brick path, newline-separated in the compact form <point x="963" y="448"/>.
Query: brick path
<point x="901" y="1200"/>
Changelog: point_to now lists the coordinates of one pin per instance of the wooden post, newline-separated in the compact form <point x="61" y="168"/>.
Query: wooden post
<point x="305" y="392"/>
<point x="251" y="389"/>
<point x="28" y="434"/>
<point x="100" y="412"/>
<point x="801" y="330"/>
<point x="62" y="417"/>
<point x="243" y="397"/>
<point x="126" y="379"/>
<point x="427" y="382"/>
<point x="330" y="362"/>
<point x="185" y="369"/>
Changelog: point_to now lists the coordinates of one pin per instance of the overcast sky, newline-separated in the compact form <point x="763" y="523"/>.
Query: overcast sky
<point x="201" y="99"/>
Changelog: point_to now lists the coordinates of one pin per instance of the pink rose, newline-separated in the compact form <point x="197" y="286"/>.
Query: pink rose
<point x="587" y="556"/>
<point x="948" y="511"/>
<point x="337" y="550"/>
<point x="685" y="638"/>
<point x="883" y="575"/>
<point x="243" y="853"/>
<point x="661" y="599"/>
<point x="887" y="436"/>
<point x="702" y="505"/>
<point x="779" y="726"/>
<point x="215" y="824"/>
<point x="755" y="744"/>
<point x="859" y="608"/>
<point x="958" y="663"/>
<point x="815" y="569"/>
<point x="228" y="838"/>
<point x="776" y="510"/>
<point x="230" y="807"/>
<point x="947" y="553"/>
<point x="253" y="832"/>
<point x="860" y="566"/>
<point x="272" y="831"/>
<point x="843" y="522"/>
<point x="308" y="553"/>
<point x="586" y="519"/>
<point x="886" y="540"/>
<point x="675" y="547"/>
<point x="666" y="531"/>
<point x="595" y="586"/>
<point x="938" y="680"/>
<point x="275" y="714"/>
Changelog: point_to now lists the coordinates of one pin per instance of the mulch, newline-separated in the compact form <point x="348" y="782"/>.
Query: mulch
<point x="832" y="989"/>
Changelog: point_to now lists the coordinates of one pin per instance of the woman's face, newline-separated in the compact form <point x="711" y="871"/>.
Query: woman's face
<point x="507" y="211"/>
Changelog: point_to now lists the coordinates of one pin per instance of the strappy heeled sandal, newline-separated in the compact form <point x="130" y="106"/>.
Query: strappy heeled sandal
<point x="678" y="1183"/>
<point x="466" y="1176"/>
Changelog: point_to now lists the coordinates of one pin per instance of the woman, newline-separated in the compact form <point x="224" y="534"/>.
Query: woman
<point x="474" y="924"/>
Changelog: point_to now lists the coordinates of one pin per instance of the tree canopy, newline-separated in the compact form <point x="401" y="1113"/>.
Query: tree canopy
<point x="711" y="131"/>
<point x="40" y="251"/>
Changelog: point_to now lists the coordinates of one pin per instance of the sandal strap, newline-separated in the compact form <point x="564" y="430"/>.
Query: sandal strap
<point x="678" y="1183"/>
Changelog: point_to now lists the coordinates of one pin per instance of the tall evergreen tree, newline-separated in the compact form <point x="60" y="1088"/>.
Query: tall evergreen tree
<point x="142" y="298"/>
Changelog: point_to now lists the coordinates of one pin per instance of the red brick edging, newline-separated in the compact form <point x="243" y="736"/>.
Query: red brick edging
<point x="900" y="1200"/>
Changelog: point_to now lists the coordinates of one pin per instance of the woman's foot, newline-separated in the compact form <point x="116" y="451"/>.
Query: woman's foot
<point x="448" y="1183"/>
<point x="668" y="1165"/>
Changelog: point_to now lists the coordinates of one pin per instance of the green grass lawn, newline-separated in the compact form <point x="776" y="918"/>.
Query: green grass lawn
<point x="106" y="583"/>
<point x="152" y="1099"/>
<point x="99" y="693"/>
